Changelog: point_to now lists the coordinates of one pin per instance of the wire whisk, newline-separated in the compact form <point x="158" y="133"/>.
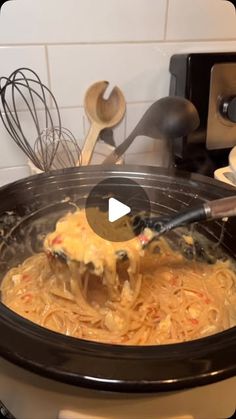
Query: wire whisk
<point x="21" y="94"/>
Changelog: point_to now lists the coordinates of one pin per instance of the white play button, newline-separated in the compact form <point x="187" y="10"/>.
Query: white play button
<point x="116" y="198"/>
<point x="116" y="209"/>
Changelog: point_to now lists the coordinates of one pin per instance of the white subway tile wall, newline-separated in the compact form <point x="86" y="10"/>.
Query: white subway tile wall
<point x="11" y="174"/>
<point x="86" y="21"/>
<point x="200" y="19"/>
<point x="73" y="43"/>
<point x="33" y="57"/>
<point x="133" y="67"/>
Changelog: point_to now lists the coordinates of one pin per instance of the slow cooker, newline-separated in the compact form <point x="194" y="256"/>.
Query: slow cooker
<point x="47" y="375"/>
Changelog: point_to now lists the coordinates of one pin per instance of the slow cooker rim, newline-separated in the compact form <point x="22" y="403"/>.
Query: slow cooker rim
<point x="120" y="169"/>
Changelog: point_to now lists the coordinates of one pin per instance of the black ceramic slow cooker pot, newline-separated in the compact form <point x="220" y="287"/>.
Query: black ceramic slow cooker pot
<point x="29" y="208"/>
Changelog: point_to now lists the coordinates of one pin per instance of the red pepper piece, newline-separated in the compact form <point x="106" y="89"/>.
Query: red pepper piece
<point x="194" y="321"/>
<point x="143" y="239"/>
<point x="25" y="277"/>
<point x="57" y="240"/>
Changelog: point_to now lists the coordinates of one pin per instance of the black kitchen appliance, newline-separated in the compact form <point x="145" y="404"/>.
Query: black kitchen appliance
<point x="208" y="80"/>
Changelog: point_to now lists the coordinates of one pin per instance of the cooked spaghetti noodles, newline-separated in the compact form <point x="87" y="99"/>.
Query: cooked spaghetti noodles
<point x="170" y="299"/>
<point x="74" y="241"/>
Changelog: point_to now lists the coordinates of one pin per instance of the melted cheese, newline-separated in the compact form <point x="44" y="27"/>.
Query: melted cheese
<point x="74" y="238"/>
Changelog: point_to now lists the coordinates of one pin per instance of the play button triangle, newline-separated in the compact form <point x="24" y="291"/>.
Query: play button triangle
<point x="116" y="209"/>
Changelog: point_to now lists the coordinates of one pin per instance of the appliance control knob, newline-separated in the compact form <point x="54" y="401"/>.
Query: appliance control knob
<point x="228" y="109"/>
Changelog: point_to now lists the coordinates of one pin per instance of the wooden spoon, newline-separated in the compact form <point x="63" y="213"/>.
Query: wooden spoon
<point x="103" y="113"/>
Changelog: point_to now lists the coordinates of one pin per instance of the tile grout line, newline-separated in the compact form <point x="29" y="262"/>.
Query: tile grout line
<point x="138" y="42"/>
<point x="48" y="73"/>
<point x="166" y="18"/>
<point x="124" y="130"/>
<point x="19" y="166"/>
<point x="135" y="102"/>
<point x="125" y="125"/>
<point x="84" y="124"/>
<point x="81" y="107"/>
<point x="197" y="41"/>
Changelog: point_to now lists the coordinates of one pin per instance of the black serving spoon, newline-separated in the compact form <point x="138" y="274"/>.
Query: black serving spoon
<point x="210" y="210"/>
<point x="167" y="118"/>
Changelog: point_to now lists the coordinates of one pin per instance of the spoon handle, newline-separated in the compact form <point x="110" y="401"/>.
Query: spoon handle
<point x="211" y="210"/>
<point x="89" y="143"/>
<point x="120" y="150"/>
<point x="225" y="207"/>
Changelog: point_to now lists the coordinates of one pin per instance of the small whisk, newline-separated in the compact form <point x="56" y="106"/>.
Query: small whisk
<point x="24" y="90"/>
<point x="60" y="147"/>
